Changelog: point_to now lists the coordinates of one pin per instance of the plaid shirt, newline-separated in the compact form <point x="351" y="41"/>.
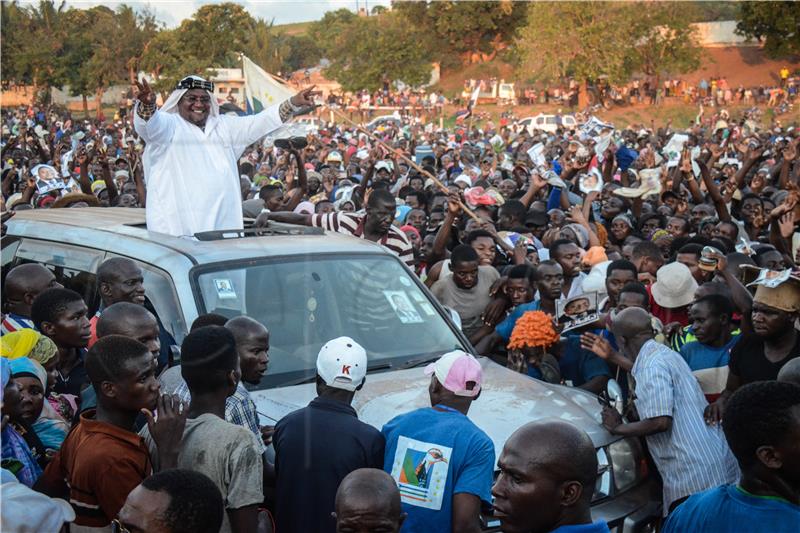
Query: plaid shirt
<point x="240" y="409"/>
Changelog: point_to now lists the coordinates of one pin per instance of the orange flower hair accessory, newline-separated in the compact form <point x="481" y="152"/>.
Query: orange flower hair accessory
<point x="533" y="329"/>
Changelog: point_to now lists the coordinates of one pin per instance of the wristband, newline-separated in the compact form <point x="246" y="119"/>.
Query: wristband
<point x="145" y="111"/>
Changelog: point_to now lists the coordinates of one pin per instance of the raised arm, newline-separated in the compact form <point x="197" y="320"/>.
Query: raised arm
<point x="297" y="193"/>
<point x="443" y="235"/>
<point x="535" y="184"/>
<point x="713" y="191"/>
<point x="152" y="126"/>
<point x="249" y="129"/>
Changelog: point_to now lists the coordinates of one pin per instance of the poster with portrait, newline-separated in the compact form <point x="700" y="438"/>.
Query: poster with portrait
<point x="47" y="179"/>
<point x="577" y="312"/>
<point x="591" y="182"/>
<point x="403" y="307"/>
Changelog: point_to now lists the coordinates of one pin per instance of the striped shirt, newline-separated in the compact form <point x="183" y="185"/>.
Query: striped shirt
<point x="691" y="456"/>
<point x="351" y="224"/>
<point x="13" y="322"/>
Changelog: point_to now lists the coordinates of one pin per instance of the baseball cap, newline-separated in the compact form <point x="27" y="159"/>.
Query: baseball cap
<point x="342" y="363"/>
<point x="458" y="372"/>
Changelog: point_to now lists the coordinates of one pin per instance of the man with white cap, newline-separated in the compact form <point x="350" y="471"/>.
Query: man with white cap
<point x="672" y="294"/>
<point x="317" y="446"/>
<point x="191" y="155"/>
<point x="441" y="461"/>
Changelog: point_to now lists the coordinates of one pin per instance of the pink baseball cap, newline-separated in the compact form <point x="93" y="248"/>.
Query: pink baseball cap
<point x="459" y="372"/>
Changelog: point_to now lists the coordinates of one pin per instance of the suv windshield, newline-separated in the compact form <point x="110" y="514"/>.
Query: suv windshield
<point x="306" y="301"/>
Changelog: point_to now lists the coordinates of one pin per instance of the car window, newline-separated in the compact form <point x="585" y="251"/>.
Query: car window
<point x="551" y="120"/>
<point x="74" y="267"/>
<point x="306" y="303"/>
<point x="160" y="291"/>
<point x="161" y="297"/>
<point x="540" y="120"/>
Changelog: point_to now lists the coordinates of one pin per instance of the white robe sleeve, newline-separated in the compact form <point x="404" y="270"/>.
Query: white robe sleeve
<point x="157" y="130"/>
<point x="244" y="131"/>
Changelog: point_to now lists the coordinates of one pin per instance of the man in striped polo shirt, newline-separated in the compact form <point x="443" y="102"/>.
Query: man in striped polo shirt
<point x="375" y="225"/>
<point x="690" y="456"/>
<point x="23" y="284"/>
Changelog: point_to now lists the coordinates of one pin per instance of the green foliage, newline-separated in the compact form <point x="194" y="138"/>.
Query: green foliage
<point x="366" y="50"/>
<point x="327" y="32"/>
<point x="776" y="23"/>
<point x="466" y="31"/>
<point x="666" y="39"/>
<point x="614" y="39"/>
<point x="704" y="11"/>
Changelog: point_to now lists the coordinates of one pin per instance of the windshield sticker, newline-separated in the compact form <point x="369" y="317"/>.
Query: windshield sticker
<point x="225" y="289"/>
<point x="405" y="281"/>
<point x="428" y="308"/>
<point x="420" y="471"/>
<point x="402" y="307"/>
<point x="418" y="297"/>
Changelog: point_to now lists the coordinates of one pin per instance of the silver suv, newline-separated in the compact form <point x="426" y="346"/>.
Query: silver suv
<point x="307" y="288"/>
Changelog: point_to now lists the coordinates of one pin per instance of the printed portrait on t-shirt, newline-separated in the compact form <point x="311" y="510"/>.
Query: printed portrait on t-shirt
<point x="420" y="471"/>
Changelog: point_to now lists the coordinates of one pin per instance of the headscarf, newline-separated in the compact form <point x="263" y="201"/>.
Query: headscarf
<point x="28" y="343"/>
<point x="401" y="213"/>
<point x="16" y="454"/>
<point x="171" y="105"/>
<point x="581" y="234"/>
<point x="412" y="229"/>
<point x="49" y="426"/>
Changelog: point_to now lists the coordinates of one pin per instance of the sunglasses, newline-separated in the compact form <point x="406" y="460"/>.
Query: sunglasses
<point x="117" y="527"/>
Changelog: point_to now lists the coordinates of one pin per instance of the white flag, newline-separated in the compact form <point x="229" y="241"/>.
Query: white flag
<point x="261" y="89"/>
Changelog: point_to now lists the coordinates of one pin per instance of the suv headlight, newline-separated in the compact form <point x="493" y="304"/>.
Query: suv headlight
<point x="602" y="487"/>
<point x="627" y="462"/>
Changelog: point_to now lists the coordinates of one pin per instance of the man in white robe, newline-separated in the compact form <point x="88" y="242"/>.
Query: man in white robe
<point x="191" y="155"/>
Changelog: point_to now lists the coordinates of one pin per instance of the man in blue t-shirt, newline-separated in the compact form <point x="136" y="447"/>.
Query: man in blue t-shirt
<point x="441" y="461"/>
<point x="549" y="279"/>
<point x="547" y="476"/>
<point x="709" y="355"/>
<point x="762" y="427"/>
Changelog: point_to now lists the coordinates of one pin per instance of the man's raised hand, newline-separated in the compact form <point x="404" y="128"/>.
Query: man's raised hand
<point x="305" y="97"/>
<point x="144" y="93"/>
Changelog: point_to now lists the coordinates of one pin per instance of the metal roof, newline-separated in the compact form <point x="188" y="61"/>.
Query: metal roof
<point x="122" y="230"/>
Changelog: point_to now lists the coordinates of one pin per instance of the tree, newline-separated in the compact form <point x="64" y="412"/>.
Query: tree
<point x="583" y="40"/>
<point x="328" y="31"/>
<point x="587" y="41"/>
<point x="775" y="23"/>
<point x="216" y="33"/>
<point x="33" y="39"/>
<point x="667" y="42"/>
<point x="472" y="31"/>
<point x="368" y="49"/>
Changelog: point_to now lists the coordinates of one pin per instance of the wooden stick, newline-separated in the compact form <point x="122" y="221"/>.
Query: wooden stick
<point x="413" y="164"/>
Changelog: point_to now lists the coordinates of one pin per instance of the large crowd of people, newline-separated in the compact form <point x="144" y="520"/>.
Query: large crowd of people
<point x="662" y="258"/>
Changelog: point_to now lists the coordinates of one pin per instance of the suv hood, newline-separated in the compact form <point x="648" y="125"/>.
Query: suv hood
<point x="508" y="400"/>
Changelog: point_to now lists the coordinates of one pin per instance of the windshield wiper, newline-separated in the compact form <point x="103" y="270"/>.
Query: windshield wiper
<point x="413" y="363"/>
<point x="312" y="378"/>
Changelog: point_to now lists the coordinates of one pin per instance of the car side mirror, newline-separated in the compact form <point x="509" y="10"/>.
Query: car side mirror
<point x="454" y="316"/>
<point x="615" y="395"/>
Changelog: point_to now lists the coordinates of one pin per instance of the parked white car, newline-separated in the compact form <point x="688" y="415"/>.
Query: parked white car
<point x="548" y="123"/>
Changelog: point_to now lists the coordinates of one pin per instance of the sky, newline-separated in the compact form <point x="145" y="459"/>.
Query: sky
<point x="172" y="12"/>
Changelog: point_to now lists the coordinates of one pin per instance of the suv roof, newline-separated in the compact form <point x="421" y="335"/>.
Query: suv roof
<point x="122" y="230"/>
